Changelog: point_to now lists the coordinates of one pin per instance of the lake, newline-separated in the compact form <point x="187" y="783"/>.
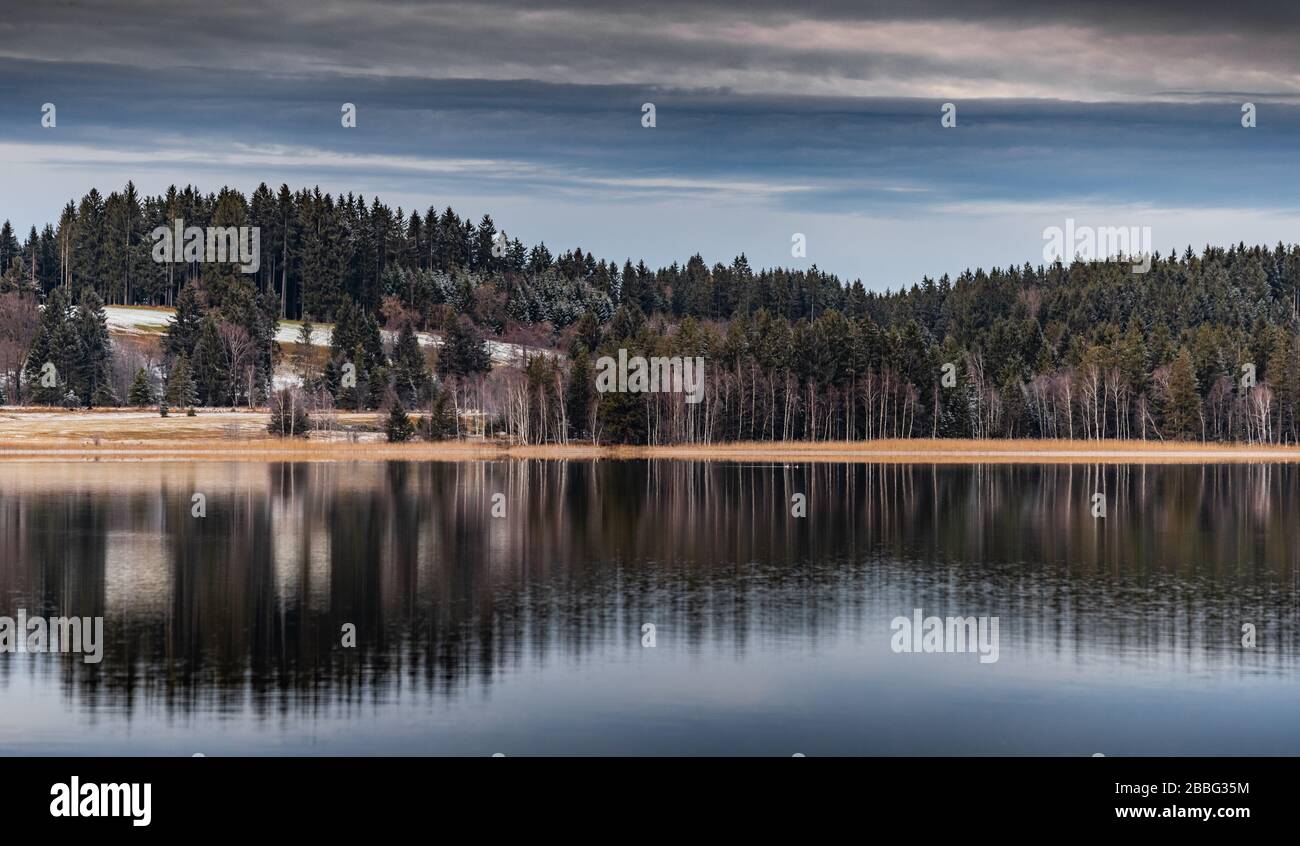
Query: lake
<point x="529" y="607"/>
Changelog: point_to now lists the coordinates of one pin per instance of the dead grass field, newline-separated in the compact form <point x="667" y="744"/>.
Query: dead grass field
<point x="42" y="434"/>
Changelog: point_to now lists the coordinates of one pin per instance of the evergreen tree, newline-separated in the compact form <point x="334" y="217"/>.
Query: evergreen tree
<point x="409" y="369"/>
<point x="53" y="347"/>
<point x="1183" y="406"/>
<point x="577" y="398"/>
<point x="463" y="352"/>
<point x="440" y="423"/>
<point x="141" y="393"/>
<point x="588" y="334"/>
<point x="398" y="426"/>
<point x="10" y="249"/>
<point x="622" y="417"/>
<point x="93" y="376"/>
<point x="329" y="379"/>
<point x="376" y="386"/>
<point x="183" y="332"/>
<point x="208" y="366"/>
<point x="181" y="391"/>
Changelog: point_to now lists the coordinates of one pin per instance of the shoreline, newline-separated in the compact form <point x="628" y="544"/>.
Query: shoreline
<point x="51" y="435"/>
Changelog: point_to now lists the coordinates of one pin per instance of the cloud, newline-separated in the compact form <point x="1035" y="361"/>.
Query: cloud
<point x="772" y="118"/>
<point x="1099" y="51"/>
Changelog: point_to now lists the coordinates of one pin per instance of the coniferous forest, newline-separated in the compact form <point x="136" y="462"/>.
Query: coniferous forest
<point x="1201" y="347"/>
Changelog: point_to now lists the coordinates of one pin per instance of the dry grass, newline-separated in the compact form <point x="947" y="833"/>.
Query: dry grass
<point x="42" y="434"/>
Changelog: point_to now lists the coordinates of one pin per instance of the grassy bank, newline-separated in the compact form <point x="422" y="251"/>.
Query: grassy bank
<point x="133" y="435"/>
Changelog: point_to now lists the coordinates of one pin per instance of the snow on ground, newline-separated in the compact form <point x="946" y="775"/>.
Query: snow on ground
<point x="132" y="320"/>
<point x="139" y="320"/>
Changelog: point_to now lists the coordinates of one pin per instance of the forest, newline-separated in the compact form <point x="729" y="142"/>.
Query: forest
<point x="1201" y="347"/>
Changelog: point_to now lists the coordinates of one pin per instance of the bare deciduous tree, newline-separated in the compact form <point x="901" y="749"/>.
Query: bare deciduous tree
<point x="238" y="348"/>
<point x="19" y="320"/>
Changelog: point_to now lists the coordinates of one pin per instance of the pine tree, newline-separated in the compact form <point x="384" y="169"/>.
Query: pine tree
<point x="53" y="347"/>
<point x="329" y="379"/>
<point x="577" y="398"/>
<point x="141" y="393"/>
<point x="372" y="342"/>
<point x="440" y="423"/>
<point x="409" y="370"/>
<point x="1183" y="405"/>
<point x="376" y="386"/>
<point x="398" y="426"/>
<point x="587" y="332"/>
<point x="183" y="332"/>
<point x="208" y="365"/>
<point x="10" y="249"/>
<point x="89" y="252"/>
<point x="463" y="352"/>
<point x="622" y="417"/>
<point x="93" y="377"/>
<point x="181" y="390"/>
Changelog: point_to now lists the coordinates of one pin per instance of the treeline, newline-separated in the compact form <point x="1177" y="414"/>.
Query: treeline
<point x="1203" y="346"/>
<point x="1200" y="347"/>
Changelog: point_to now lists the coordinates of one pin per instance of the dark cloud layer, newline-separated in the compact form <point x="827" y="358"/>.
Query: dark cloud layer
<point x="1099" y="50"/>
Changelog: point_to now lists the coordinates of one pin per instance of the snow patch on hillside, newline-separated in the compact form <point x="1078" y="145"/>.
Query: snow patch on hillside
<point x="152" y="321"/>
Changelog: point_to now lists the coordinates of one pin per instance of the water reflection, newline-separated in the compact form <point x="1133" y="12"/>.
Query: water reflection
<point x="763" y="620"/>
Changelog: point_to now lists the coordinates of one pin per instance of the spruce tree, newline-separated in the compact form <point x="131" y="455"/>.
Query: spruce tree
<point x="622" y="417"/>
<point x="398" y="426"/>
<point x="93" y="376"/>
<point x="208" y="365"/>
<point x="440" y="423"/>
<point x="181" y="390"/>
<point x="463" y="352"/>
<point x="376" y="386"/>
<point x="54" y="345"/>
<point x="141" y="393"/>
<point x="1183" y="404"/>
<point x="183" y="332"/>
<point x="372" y="342"/>
<point x="409" y="370"/>
<point x="577" y="397"/>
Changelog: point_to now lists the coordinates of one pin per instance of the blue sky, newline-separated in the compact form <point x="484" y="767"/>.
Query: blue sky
<point x="771" y="120"/>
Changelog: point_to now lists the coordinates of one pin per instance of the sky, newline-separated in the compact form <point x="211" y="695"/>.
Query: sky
<point x="771" y="119"/>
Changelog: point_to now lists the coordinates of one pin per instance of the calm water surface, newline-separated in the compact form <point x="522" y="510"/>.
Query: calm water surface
<point x="523" y="634"/>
